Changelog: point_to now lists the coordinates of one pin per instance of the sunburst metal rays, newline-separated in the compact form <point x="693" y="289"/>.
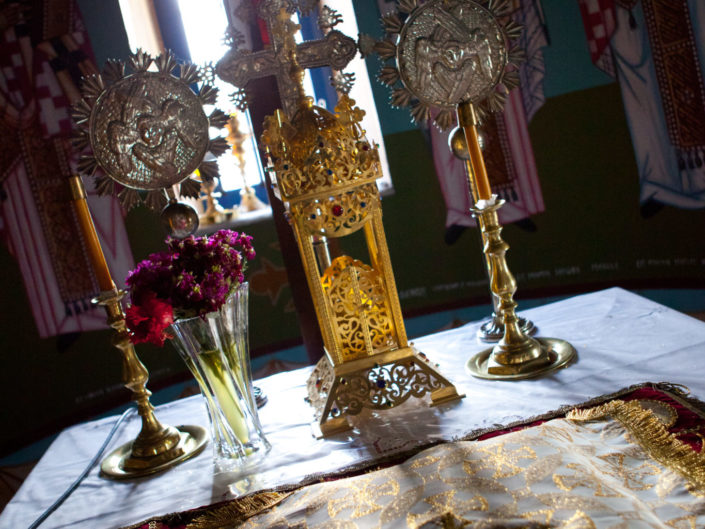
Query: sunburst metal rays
<point x="190" y="188"/>
<point x="218" y="119"/>
<point x="189" y="73"/>
<point x="147" y="129"/>
<point x="417" y="78"/>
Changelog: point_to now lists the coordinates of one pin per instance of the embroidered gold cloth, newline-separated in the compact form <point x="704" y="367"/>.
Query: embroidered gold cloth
<point x="560" y="474"/>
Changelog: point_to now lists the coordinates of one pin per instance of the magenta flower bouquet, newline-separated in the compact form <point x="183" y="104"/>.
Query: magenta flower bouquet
<point x="192" y="278"/>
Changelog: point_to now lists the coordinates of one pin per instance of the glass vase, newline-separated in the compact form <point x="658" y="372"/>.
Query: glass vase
<point x="215" y="348"/>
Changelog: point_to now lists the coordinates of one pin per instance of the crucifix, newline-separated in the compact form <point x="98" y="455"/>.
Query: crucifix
<point x="239" y="68"/>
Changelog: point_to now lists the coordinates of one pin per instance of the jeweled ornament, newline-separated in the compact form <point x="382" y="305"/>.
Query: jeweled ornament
<point x="356" y="303"/>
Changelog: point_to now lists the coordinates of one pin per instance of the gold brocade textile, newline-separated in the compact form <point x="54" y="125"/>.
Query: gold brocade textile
<point x="560" y="474"/>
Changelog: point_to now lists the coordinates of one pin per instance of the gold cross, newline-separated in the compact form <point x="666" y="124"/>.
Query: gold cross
<point x="335" y="50"/>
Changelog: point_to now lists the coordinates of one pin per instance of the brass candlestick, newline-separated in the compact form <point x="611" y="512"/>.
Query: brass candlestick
<point x="475" y="78"/>
<point x="492" y="329"/>
<point x="156" y="447"/>
<point x="517" y="355"/>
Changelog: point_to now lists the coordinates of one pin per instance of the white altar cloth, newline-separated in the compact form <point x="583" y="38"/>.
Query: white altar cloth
<point x="622" y="339"/>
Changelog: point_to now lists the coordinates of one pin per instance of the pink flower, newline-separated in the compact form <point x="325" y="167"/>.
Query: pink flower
<point x="192" y="278"/>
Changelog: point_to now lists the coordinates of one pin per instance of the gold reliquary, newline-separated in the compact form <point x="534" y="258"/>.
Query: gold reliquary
<point x="324" y="170"/>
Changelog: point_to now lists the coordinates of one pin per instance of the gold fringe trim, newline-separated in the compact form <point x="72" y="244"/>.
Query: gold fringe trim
<point x="237" y="511"/>
<point x="652" y="436"/>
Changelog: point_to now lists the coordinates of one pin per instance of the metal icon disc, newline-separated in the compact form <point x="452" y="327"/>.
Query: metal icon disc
<point x="148" y="131"/>
<point x="451" y="52"/>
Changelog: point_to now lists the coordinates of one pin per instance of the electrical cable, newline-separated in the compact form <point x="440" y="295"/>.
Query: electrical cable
<point x="80" y="478"/>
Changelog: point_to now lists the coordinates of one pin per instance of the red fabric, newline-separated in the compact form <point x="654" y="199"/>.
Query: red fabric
<point x="599" y="23"/>
<point x="688" y="421"/>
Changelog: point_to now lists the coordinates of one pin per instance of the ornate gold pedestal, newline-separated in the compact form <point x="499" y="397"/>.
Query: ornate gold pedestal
<point x="378" y="382"/>
<point x="517" y="355"/>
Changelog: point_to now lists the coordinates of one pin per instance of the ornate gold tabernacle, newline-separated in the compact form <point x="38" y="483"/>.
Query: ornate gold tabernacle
<point x="325" y="172"/>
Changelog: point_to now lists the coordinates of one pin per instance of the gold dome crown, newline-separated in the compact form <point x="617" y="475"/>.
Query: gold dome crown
<point x="318" y="153"/>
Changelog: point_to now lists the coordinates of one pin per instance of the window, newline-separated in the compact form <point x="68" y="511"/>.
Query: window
<point x="205" y="24"/>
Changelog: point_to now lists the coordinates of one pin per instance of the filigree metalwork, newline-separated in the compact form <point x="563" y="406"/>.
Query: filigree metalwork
<point x="329" y="18"/>
<point x="318" y="384"/>
<point x="338" y="215"/>
<point x="386" y="386"/>
<point x="241" y="99"/>
<point x="383" y="382"/>
<point x="362" y="317"/>
<point x="324" y="170"/>
<point x="207" y="73"/>
<point x="318" y="153"/>
<point x="146" y="129"/>
<point x="342" y="82"/>
<point x="449" y="52"/>
<point x="234" y="38"/>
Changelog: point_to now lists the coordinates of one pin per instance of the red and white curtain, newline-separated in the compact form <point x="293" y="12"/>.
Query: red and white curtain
<point x="44" y="54"/>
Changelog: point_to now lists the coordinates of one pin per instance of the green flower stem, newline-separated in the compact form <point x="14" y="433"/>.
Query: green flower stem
<point x="231" y="353"/>
<point x="225" y="393"/>
<point x="212" y="404"/>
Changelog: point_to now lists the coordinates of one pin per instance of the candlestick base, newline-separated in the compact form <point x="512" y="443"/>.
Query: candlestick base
<point x="555" y="354"/>
<point x="122" y="463"/>
<point x="492" y="330"/>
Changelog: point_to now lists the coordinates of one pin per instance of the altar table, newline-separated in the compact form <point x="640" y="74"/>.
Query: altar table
<point x="622" y="339"/>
